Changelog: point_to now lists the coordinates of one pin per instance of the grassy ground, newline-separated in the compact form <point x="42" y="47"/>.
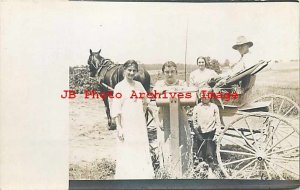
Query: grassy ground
<point x="292" y="93"/>
<point x="97" y="170"/>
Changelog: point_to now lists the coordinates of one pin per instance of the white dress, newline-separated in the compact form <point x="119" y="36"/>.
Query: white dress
<point x="133" y="155"/>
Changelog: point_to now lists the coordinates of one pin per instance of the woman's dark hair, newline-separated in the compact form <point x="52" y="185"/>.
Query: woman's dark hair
<point x="130" y="63"/>
<point x="205" y="61"/>
<point x="168" y="64"/>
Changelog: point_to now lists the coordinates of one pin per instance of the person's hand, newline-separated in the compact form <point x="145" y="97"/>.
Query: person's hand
<point x="145" y="107"/>
<point x="222" y="82"/>
<point x="160" y="125"/>
<point x="216" y="137"/>
<point x="120" y="134"/>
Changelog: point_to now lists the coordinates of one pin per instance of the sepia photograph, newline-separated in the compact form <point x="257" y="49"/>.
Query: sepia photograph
<point x="186" y="91"/>
<point x="149" y="95"/>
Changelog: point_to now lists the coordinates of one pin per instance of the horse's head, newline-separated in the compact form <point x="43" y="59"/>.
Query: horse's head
<point x="94" y="62"/>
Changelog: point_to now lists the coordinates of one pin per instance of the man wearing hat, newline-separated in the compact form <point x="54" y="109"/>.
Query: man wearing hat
<point x="242" y="46"/>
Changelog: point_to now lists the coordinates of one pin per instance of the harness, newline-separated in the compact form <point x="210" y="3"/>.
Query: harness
<point x="106" y="65"/>
<point x="103" y="66"/>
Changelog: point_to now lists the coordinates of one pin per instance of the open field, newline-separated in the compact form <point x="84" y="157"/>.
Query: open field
<point x="92" y="145"/>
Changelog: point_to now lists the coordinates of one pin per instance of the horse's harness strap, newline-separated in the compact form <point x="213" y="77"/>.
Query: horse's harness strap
<point x="106" y="66"/>
<point x="103" y="71"/>
<point x="116" y="68"/>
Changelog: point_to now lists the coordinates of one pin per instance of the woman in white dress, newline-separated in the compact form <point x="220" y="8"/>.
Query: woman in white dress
<point x="133" y="155"/>
<point x="202" y="75"/>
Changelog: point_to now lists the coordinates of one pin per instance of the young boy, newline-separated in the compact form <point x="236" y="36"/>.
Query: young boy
<point x="206" y="122"/>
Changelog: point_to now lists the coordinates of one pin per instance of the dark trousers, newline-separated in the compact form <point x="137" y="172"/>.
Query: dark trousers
<point x="204" y="146"/>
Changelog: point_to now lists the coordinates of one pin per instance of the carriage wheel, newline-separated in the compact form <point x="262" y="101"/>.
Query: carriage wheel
<point x="281" y="105"/>
<point x="259" y="146"/>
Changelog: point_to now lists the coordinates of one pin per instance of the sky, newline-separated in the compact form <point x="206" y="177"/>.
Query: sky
<point x="150" y="32"/>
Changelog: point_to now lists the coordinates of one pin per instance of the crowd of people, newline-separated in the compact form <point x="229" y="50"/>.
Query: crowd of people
<point x="133" y="145"/>
<point x="79" y="77"/>
<point x="131" y="125"/>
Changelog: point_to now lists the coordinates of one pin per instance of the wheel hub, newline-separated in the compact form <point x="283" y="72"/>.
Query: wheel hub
<point x="260" y="155"/>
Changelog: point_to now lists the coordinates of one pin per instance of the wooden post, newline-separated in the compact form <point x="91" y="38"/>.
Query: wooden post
<point x="175" y="144"/>
<point x="175" y="140"/>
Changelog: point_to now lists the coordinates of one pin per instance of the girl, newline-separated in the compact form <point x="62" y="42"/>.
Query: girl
<point x="133" y="159"/>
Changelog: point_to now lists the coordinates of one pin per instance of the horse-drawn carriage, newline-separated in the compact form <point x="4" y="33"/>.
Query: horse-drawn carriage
<point x="262" y="139"/>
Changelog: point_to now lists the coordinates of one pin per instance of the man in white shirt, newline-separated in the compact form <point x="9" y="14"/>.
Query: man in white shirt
<point x="245" y="61"/>
<point x="246" y="58"/>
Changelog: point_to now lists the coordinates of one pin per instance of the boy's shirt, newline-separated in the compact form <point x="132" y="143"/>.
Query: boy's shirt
<point x="206" y="118"/>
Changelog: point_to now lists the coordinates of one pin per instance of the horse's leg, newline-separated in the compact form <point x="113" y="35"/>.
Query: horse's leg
<point x="110" y="79"/>
<point x="111" y="124"/>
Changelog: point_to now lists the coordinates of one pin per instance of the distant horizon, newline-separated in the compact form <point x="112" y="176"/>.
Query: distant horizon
<point x="279" y="60"/>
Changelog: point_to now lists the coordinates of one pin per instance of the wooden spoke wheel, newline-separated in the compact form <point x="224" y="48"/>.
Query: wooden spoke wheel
<point x="259" y="146"/>
<point x="281" y="105"/>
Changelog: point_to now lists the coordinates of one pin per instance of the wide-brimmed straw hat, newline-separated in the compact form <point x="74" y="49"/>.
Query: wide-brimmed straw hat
<point x="240" y="41"/>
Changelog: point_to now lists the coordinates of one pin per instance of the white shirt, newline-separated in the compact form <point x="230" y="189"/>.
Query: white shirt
<point x="206" y="117"/>
<point x="244" y="62"/>
<point x="161" y="85"/>
<point x="200" y="78"/>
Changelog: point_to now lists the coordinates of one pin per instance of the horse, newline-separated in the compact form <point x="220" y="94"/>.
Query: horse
<point x="108" y="74"/>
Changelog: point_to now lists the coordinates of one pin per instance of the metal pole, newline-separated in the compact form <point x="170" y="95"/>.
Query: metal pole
<point x="186" y="40"/>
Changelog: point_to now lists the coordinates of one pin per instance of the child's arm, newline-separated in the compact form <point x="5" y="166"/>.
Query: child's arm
<point x="195" y="126"/>
<point x="218" y="121"/>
